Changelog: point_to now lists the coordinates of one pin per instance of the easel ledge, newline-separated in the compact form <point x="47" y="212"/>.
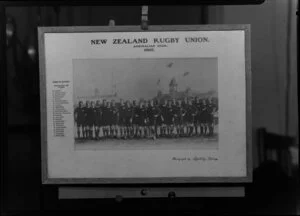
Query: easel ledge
<point x="147" y="192"/>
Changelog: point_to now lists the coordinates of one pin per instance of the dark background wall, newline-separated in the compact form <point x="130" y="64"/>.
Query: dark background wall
<point x="23" y="178"/>
<point x="273" y="64"/>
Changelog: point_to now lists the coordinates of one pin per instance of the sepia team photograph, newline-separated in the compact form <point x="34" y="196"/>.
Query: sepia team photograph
<point x="157" y="103"/>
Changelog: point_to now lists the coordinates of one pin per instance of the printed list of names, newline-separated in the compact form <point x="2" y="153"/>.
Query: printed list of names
<point x="59" y="110"/>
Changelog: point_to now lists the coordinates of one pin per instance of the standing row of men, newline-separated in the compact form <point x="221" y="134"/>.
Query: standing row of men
<point x="147" y="119"/>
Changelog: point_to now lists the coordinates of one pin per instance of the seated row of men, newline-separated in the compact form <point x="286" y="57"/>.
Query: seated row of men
<point x="147" y="119"/>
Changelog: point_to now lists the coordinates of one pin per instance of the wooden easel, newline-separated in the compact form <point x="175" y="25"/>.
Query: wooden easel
<point x="120" y="193"/>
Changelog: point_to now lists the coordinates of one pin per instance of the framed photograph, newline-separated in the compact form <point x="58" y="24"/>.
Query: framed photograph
<point x="171" y="104"/>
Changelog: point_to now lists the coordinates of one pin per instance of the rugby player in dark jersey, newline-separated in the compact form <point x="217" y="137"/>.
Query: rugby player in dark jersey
<point x="210" y="117"/>
<point x="114" y="120"/>
<point x="215" y="105"/>
<point x="132" y="130"/>
<point x="144" y="119"/>
<point x="105" y="114"/>
<point x="152" y="114"/>
<point x="109" y="119"/>
<point x="128" y="120"/>
<point x="157" y="118"/>
<point x="86" y="123"/>
<point x="197" y="126"/>
<point x="185" y="105"/>
<point x="91" y="119"/>
<point x="139" y="119"/>
<point x="169" y="118"/>
<point x="98" y="119"/>
<point x="181" y="112"/>
<point x="79" y="119"/>
<point x="175" y="116"/>
<point x="148" y="117"/>
<point x="135" y="108"/>
<point x="163" y="117"/>
<point x="204" y="117"/>
<point x="122" y="118"/>
<point x="201" y="117"/>
<point x="191" y="114"/>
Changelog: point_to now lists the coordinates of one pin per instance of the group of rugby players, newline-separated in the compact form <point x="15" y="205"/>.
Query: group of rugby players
<point x="147" y="119"/>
